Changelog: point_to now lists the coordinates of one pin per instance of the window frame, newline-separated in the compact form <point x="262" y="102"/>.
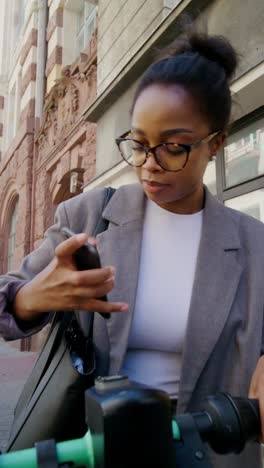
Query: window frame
<point x="87" y="18"/>
<point x="225" y="193"/>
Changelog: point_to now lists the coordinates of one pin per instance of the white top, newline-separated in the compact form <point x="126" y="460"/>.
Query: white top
<point x="169" y="251"/>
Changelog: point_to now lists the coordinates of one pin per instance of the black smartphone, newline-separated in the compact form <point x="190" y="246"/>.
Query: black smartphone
<point x="86" y="258"/>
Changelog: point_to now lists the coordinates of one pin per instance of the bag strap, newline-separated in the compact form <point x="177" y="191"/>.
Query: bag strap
<point x="102" y="223"/>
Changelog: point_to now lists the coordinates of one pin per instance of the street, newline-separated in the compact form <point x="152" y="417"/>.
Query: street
<point x="15" y="367"/>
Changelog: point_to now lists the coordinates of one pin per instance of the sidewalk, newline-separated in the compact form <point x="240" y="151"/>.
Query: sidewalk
<point x="15" y="367"/>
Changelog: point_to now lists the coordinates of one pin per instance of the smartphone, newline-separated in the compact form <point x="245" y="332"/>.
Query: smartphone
<point x="86" y="258"/>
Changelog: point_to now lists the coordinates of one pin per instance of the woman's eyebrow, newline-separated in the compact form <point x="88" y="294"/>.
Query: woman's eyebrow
<point x="164" y="133"/>
<point x="173" y="131"/>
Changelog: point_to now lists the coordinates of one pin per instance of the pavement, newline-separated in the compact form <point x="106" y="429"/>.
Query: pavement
<point x="15" y="366"/>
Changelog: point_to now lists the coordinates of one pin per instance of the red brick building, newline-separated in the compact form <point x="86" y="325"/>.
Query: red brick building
<point x="47" y="149"/>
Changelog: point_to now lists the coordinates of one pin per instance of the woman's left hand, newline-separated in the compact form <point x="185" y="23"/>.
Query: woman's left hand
<point x="256" y="390"/>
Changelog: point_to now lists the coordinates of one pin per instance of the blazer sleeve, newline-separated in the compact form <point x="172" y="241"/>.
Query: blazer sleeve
<point x="10" y="283"/>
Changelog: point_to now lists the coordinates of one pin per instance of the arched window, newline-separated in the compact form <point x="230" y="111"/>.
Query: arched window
<point x="12" y="238"/>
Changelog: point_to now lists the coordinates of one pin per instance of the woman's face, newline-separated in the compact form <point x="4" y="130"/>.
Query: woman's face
<point x="160" y="109"/>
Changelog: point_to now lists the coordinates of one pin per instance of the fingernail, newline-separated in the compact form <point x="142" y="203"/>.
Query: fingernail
<point x="112" y="270"/>
<point x="112" y="278"/>
<point x="81" y="237"/>
<point x="124" y="307"/>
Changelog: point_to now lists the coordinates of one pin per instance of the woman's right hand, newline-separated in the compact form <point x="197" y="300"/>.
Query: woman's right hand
<point x="60" y="286"/>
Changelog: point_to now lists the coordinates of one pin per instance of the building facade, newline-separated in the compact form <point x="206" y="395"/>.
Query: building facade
<point x="48" y="63"/>
<point x="128" y="33"/>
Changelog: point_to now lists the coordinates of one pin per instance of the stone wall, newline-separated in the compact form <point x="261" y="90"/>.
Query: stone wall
<point x="15" y="184"/>
<point x="123" y="27"/>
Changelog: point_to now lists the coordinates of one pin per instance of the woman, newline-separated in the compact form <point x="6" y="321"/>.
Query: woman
<point x="185" y="276"/>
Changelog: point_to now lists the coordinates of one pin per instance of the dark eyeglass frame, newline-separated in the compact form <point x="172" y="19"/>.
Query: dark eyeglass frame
<point x="148" y="149"/>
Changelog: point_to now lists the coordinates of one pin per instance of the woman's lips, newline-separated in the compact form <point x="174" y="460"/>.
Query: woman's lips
<point x="153" y="187"/>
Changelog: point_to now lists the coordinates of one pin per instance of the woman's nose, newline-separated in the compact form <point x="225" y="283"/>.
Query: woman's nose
<point x="151" y="164"/>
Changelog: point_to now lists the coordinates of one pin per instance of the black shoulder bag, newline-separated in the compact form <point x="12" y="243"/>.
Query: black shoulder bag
<point x="51" y="405"/>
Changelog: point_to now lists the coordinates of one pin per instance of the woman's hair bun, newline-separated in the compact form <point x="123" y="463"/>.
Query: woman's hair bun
<point x="215" y="48"/>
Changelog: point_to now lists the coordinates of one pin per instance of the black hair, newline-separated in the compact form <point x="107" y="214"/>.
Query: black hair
<point x="204" y="66"/>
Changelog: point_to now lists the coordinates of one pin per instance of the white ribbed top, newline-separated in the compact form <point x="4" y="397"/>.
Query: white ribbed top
<point x="167" y="266"/>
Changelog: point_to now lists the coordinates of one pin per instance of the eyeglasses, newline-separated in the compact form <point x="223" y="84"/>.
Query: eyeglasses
<point x="172" y="157"/>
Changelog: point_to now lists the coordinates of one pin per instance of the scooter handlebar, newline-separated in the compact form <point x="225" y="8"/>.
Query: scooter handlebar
<point x="225" y="423"/>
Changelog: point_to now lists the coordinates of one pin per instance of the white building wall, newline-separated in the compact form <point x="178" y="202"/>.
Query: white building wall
<point x="18" y="18"/>
<point x="123" y="28"/>
<point x="3" y="41"/>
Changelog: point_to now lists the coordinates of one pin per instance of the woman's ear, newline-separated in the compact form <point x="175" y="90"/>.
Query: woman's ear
<point x="217" y="143"/>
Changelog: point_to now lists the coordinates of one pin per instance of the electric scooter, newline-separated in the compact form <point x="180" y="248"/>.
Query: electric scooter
<point x="130" y="425"/>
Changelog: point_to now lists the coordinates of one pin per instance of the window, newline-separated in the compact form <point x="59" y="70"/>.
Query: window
<point x="12" y="238"/>
<point x="239" y="177"/>
<point x="244" y="154"/>
<point x="86" y="25"/>
<point x="250" y="203"/>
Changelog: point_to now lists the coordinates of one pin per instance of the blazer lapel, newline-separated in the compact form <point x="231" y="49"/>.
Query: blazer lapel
<point x="216" y="281"/>
<point x="120" y="246"/>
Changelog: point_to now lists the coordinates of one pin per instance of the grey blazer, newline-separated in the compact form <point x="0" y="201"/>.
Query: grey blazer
<point x="225" y="326"/>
